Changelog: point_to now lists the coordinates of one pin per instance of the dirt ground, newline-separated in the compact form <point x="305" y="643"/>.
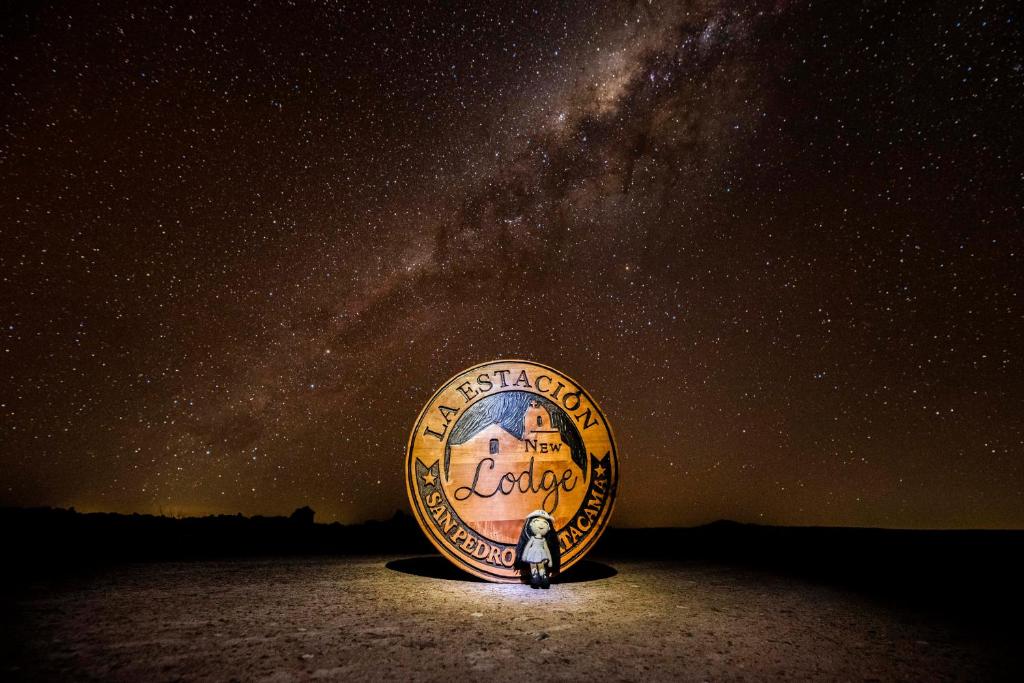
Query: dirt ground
<point x="370" y="618"/>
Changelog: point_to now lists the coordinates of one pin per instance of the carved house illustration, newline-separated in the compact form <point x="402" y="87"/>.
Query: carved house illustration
<point x="501" y="516"/>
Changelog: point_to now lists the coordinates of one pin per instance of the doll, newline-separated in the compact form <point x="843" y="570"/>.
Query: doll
<point x="537" y="553"/>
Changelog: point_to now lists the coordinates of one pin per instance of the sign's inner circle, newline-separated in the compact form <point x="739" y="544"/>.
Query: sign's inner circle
<point x="511" y="451"/>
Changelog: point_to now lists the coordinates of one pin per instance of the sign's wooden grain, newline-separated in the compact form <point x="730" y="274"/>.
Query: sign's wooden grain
<point x="498" y="441"/>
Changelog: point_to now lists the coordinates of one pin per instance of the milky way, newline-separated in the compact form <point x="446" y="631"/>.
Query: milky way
<point x="778" y="242"/>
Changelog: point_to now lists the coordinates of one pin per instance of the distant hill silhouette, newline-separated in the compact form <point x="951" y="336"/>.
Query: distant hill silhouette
<point x="55" y="535"/>
<point x="968" y="568"/>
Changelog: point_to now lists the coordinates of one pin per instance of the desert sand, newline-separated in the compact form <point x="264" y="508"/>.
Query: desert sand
<point x="369" y="618"/>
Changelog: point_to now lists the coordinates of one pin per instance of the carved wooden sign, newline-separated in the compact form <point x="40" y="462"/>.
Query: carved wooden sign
<point x="499" y="441"/>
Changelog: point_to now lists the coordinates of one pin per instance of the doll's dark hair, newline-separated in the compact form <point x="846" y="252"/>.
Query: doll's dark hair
<point x="551" y="538"/>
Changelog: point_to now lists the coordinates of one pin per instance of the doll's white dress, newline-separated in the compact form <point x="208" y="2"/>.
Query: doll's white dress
<point x="536" y="550"/>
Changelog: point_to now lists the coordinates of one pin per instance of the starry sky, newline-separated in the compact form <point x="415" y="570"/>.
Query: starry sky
<point x="779" y="242"/>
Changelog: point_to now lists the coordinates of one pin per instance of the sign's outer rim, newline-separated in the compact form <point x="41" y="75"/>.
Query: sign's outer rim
<point x="444" y="550"/>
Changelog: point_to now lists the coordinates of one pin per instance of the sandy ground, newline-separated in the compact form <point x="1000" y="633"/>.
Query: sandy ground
<point x="358" y="618"/>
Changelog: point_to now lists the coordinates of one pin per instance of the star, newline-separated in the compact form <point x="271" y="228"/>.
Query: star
<point x="429" y="479"/>
<point x="599" y="471"/>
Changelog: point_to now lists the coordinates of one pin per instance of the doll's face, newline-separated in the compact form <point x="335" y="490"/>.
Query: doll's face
<point x="539" y="526"/>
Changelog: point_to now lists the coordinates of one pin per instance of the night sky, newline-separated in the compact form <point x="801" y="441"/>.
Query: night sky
<point x="780" y="243"/>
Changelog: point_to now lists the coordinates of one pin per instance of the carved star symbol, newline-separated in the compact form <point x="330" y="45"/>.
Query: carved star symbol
<point x="599" y="471"/>
<point x="429" y="478"/>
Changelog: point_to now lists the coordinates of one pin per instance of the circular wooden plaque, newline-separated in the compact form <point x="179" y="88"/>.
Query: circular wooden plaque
<point x="498" y="441"/>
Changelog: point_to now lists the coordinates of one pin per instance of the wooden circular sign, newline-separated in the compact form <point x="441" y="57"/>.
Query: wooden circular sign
<point x="498" y="442"/>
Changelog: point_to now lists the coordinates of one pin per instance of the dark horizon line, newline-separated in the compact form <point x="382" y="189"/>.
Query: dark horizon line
<point x="402" y="513"/>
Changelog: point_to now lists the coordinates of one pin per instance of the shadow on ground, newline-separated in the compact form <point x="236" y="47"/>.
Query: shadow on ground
<point x="436" y="567"/>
